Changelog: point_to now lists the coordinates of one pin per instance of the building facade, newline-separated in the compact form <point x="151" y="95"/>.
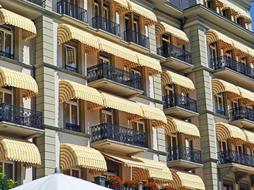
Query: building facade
<point x="128" y="93"/>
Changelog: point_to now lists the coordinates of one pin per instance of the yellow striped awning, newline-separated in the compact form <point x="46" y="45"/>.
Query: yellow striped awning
<point x="11" y="18"/>
<point x="220" y="86"/>
<point x="20" y="80"/>
<point x="162" y="28"/>
<point x="72" y="156"/>
<point x="184" y="180"/>
<point x="226" y="131"/>
<point x="122" y="3"/>
<point x="121" y="104"/>
<point x="247" y="96"/>
<point x="19" y="151"/>
<point x="146" y="61"/>
<point x="169" y="77"/>
<point x="249" y="136"/>
<point x="155" y="114"/>
<point x="71" y="90"/>
<point x="179" y="126"/>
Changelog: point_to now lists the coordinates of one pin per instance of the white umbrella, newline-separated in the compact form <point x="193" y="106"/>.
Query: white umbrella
<point x="60" y="182"/>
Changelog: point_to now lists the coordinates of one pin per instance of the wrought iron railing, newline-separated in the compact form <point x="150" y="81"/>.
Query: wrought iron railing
<point x="21" y="116"/>
<point x="120" y="134"/>
<point x="6" y="54"/>
<point x="106" y="24"/>
<point x="179" y="100"/>
<point x="38" y="2"/>
<point x="72" y="127"/>
<point x="241" y="113"/>
<point x="184" y="153"/>
<point x="71" y="68"/>
<point x="72" y="10"/>
<point x="170" y="50"/>
<point x="109" y="72"/>
<point x="137" y="38"/>
<point x="182" y="4"/>
<point x="230" y="156"/>
<point x="225" y="62"/>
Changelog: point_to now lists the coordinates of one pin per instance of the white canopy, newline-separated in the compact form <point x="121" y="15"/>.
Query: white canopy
<point x="59" y="182"/>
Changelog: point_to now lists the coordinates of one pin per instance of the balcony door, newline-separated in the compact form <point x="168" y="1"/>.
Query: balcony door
<point x="165" y="41"/>
<point x="188" y="149"/>
<point x="173" y="147"/>
<point x="139" y="126"/>
<point x="72" y="8"/>
<point x="219" y="104"/>
<point x="107" y="116"/>
<point x="6" y="96"/>
<point x="106" y="16"/>
<point x="71" y="115"/>
<point x="213" y="55"/>
<point x="136" y="29"/>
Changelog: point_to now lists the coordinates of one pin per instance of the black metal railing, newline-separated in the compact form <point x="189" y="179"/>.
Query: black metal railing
<point x="21" y="116"/>
<point x="170" y="50"/>
<point x="72" y="10"/>
<point x="225" y="62"/>
<point x="72" y="127"/>
<point x="105" y="24"/>
<point x="7" y="54"/>
<point x="241" y="113"/>
<point x="179" y="100"/>
<point x="137" y="38"/>
<point x="182" y="4"/>
<point x="230" y="156"/>
<point x="109" y="72"/>
<point x="184" y="153"/>
<point x="120" y="134"/>
<point x="38" y="2"/>
<point x="71" y="68"/>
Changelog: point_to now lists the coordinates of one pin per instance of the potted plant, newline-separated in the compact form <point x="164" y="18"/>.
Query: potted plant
<point x="130" y="184"/>
<point x="6" y="184"/>
<point x="151" y="185"/>
<point x="167" y="188"/>
<point x="115" y="182"/>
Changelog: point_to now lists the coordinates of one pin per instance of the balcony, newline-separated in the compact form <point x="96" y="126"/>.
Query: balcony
<point x="242" y="117"/>
<point x="72" y="127"/>
<point x="184" y="157"/>
<point x="176" y="58"/>
<point x="115" y="138"/>
<point x="71" y="10"/>
<point x="20" y="122"/>
<point x="180" y="106"/>
<point x="136" y="38"/>
<point x="182" y="4"/>
<point x="110" y="79"/>
<point x="106" y="25"/>
<point x="230" y="69"/>
<point x="38" y="2"/>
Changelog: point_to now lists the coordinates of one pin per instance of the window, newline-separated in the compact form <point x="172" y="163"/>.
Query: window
<point x="71" y="114"/>
<point x="70" y="58"/>
<point x="117" y="17"/>
<point x="223" y="146"/>
<point x="6" y="42"/>
<point x="219" y="104"/>
<point x="8" y="169"/>
<point x="138" y="126"/>
<point x="107" y="116"/>
<point x="173" y="146"/>
<point x="213" y="52"/>
<point x="6" y="96"/>
<point x="239" y="149"/>
<point x="96" y="9"/>
<point x="105" y="59"/>
<point x="73" y="172"/>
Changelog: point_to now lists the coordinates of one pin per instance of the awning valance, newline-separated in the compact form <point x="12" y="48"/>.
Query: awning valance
<point x="19" y="151"/>
<point x="226" y="131"/>
<point x="249" y="136"/>
<point x="186" y="180"/>
<point x="247" y="96"/>
<point x="220" y="86"/>
<point x="169" y="77"/>
<point x="72" y="156"/>
<point x="20" y="80"/>
<point x="122" y="3"/>
<point x="162" y="28"/>
<point x="155" y="114"/>
<point x="121" y="104"/>
<point x="179" y="126"/>
<point x="11" y="18"/>
<point x="67" y="33"/>
<point x="71" y="90"/>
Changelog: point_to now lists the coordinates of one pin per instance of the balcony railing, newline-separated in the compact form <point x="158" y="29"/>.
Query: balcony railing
<point x="178" y="100"/>
<point x="120" y="134"/>
<point x="72" y="127"/>
<point x="137" y="38"/>
<point x="225" y="62"/>
<point x="38" y="2"/>
<point x="106" y="25"/>
<point x="6" y="54"/>
<point x="182" y="4"/>
<point x="184" y="153"/>
<point x="241" y="113"/>
<point x="176" y="52"/>
<point x="109" y="72"/>
<point x="226" y="157"/>
<point x="71" y="67"/>
<point x="21" y="116"/>
<point x="72" y="10"/>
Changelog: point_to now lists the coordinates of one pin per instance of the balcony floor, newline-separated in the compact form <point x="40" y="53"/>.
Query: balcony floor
<point x="120" y="148"/>
<point x="243" y="123"/>
<point x="176" y="64"/>
<point x="180" y="112"/>
<point x="115" y="88"/>
<point x="237" y="168"/>
<point x="18" y="131"/>
<point x="184" y="164"/>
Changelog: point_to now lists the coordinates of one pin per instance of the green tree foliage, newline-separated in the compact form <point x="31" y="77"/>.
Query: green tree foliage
<point x="6" y="184"/>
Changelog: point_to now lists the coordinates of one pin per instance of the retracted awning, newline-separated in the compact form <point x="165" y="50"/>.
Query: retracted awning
<point x="122" y="3"/>
<point x="11" y="18"/>
<point x="20" y="80"/>
<point x="19" y="151"/>
<point x="220" y="86"/>
<point x="162" y="28"/>
<point x="179" y="126"/>
<point x="72" y="156"/>
<point x="71" y="90"/>
<point x="169" y="77"/>
<point x="186" y="180"/>
<point x="226" y="131"/>
<point x="249" y="136"/>
<point x="247" y="96"/>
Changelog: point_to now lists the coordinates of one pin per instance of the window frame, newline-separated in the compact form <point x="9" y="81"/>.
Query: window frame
<point x="10" y="32"/>
<point x="137" y="125"/>
<point x="13" y="168"/>
<point x="70" y="104"/>
<point x="75" y="57"/>
<point x="7" y="91"/>
<point x="222" y="107"/>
